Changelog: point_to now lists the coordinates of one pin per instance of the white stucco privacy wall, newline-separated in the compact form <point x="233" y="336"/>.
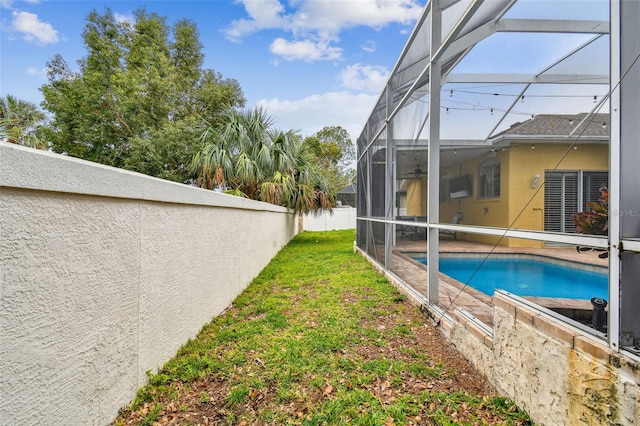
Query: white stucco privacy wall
<point x="105" y="273"/>
<point x="338" y="218"/>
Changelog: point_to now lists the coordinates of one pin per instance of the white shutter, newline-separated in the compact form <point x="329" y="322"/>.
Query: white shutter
<point x="560" y="201"/>
<point x="552" y="202"/>
<point x="570" y="201"/>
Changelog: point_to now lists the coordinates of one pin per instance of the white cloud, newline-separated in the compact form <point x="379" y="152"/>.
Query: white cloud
<point x="264" y="14"/>
<point x="311" y="114"/>
<point x="33" y="29"/>
<point x="368" y="78"/>
<point x="8" y="4"/>
<point x="338" y="14"/>
<point x="323" y="16"/>
<point x="369" y="46"/>
<point x="315" y="24"/>
<point x="119" y="17"/>
<point x="40" y="73"/>
<point x="306" y="50"/>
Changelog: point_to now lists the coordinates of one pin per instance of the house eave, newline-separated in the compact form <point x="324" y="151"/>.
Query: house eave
<point x="508" y="138"/>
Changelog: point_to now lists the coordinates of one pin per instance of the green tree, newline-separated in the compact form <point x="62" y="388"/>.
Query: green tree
<point x="246" y="157"/>
<point x="333" y="145"/>
<point x="170" y="159"/>
<point x="334" y="154"/>
<point x="138" y="97"/>
<point x="19" y="121"/>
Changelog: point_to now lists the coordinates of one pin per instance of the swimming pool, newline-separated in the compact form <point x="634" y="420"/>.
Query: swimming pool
<point x="525" y="277"/>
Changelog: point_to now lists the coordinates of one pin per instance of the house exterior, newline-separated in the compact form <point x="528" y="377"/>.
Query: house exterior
<point x="534" y="176"/>
<point x="468" y="68"/>
<point x="347" y="196"/>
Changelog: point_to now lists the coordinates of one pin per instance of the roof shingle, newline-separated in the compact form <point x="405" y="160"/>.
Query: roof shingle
<point x="561" y="125"/>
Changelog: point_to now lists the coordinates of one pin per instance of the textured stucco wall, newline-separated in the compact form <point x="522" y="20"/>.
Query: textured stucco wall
<point x="105" y="273"/>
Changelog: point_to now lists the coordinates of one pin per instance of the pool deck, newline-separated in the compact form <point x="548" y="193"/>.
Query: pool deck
<point x="453" y="294"/>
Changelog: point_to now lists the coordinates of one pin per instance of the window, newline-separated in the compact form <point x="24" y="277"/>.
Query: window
<point x="568" y="192"/>
<point x="489" y="179"/>
<point x="591" y="184"/>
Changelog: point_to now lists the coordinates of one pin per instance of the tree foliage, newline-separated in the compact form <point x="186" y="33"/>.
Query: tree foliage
<point x="247" y="157"/>
<point x="333" y="153"/>
<point x="19" y="121"/>
<point x="138" y="96"/>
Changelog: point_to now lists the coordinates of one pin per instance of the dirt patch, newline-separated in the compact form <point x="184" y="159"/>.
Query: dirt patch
<point x="345" y="349"/>
<point x="205" y="401"/>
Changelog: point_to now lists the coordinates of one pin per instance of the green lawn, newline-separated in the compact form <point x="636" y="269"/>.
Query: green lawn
<point x="318" y="338"/>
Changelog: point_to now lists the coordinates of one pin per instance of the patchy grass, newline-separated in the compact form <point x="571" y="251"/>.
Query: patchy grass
<point x="319" y="338"/>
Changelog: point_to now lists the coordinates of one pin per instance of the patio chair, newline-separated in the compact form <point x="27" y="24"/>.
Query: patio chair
<point x="411" y="231"/>
<point x="457" y="218"/>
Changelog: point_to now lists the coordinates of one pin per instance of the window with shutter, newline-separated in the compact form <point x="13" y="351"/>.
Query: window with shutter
<point x="566" y="193"/>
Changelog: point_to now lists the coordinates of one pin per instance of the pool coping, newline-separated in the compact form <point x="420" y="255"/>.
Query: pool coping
<point x="505" y="254"/>
<point x="547" y="302"/>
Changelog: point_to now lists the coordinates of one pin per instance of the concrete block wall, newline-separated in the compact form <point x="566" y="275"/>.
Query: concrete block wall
<point x="105" y="273"/>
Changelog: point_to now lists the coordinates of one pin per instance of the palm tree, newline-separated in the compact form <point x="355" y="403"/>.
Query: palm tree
<point x="246" y="157"/>
<point x="18" y="122"/>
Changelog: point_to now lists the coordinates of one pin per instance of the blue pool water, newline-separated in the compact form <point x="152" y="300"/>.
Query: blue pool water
<point x="525" y="277"/>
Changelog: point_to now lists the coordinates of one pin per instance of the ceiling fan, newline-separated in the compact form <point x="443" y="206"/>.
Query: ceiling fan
<point x="416" y="174"/>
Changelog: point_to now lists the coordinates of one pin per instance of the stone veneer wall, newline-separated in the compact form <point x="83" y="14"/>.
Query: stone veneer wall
<point x="556" y="372"/>
<point x="105" y="273"/>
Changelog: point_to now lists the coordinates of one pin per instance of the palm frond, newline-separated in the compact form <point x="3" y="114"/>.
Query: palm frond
<point x="260" y="163"/>
<point x="236" y="192"/>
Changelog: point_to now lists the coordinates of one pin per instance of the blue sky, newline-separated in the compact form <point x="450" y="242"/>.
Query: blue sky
<point x="311" y="63"/>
